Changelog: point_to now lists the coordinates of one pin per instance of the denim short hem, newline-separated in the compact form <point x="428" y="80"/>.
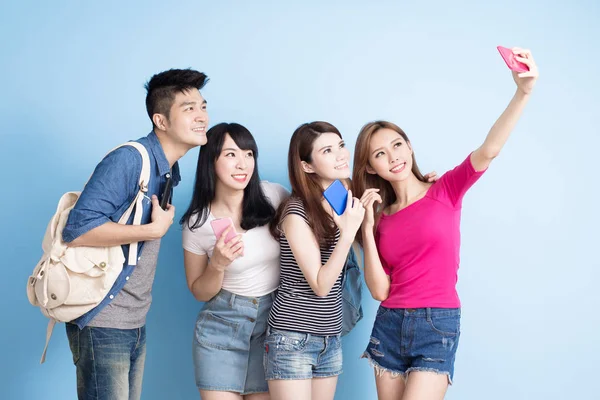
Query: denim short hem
<point x="328" y="375"/>
<point x="229" y="389"/>
<point x="287" y="377"/>
<point x="425" y="369"/>
<point x="379" y="369"/>
<point x="249" y="392"/>
<point x="298" y="377"/>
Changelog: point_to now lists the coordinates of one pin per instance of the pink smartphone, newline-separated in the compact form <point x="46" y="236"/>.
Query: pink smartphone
<point x="220" y="224"/>
<point x="511" y="61"/>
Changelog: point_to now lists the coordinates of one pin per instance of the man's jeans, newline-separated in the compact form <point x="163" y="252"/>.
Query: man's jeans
<point x="109" y="362"/>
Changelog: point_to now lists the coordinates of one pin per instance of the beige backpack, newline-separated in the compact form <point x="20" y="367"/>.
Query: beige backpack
<point x="68" y="282"/>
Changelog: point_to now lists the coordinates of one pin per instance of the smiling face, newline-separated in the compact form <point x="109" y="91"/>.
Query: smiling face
<point x="329" y="159"/>
<point x="390" y="156"/>
<point x="234" y="166"/>
<point x="187" y="122"/>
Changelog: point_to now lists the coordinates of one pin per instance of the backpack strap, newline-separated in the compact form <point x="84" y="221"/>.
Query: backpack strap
<point x="137" y="202"/>
<point x="49" y="330"/>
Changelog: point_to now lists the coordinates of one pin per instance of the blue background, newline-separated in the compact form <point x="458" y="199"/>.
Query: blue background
<point x="72" y="76"/>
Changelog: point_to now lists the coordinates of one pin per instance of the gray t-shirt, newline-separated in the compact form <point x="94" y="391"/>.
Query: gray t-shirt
<point x="129" y="308"/>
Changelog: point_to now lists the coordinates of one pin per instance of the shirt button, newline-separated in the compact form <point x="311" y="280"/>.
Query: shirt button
<point x="127" y="278"/>
<point x="111" y="297"/>
<point x="139" y="258"/>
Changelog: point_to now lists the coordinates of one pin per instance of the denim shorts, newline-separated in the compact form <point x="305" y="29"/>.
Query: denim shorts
<point x="414" y="339"/>
<point x="228" y="343"/>
<point x="295" y="355"/>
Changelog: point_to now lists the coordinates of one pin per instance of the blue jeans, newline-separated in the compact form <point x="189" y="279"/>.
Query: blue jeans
<point x="109" y="362"/>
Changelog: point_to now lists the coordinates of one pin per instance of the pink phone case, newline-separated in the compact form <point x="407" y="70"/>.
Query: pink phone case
<point x="511" y="61"/>
<point x="220" y="224"/>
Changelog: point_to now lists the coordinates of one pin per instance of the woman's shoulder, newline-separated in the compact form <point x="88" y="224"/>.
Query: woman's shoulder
<point x="198" y="239"/>
<point x="275" y="192"/>
<point x="189" y="226"/>
<point x="295" y="205"/>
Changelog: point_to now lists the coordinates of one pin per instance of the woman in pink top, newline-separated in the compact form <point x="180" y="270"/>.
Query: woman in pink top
<point x="412" y="245"/>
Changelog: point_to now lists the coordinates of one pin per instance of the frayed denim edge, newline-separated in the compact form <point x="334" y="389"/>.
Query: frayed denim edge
<point x="379" y="370"/>
<point x="425" y="369"/>
<point x="229" y="389"/>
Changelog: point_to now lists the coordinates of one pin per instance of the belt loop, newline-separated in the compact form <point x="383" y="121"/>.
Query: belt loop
<point x="273" y="295"/>
<point x="428" y="314"/>
<point x="268" y="330"/>
<point x="232" y="300"/>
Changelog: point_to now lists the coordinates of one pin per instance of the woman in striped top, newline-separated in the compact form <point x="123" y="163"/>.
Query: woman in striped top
<point x="303" y="354"/>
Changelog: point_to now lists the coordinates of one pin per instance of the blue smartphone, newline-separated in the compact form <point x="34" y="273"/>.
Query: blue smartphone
<point x="337" y="196"/>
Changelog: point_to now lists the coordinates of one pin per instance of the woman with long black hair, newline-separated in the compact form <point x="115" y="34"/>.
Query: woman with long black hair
<point x="236" y="278"/>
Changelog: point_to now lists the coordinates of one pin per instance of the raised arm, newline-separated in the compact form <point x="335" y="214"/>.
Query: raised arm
<point x="501" y="130"/>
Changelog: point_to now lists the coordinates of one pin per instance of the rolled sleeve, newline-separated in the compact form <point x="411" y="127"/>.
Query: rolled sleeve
<point x="111" y="187"/>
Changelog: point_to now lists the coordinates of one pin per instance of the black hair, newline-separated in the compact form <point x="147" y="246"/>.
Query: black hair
<point x="163" y="87"/>
<point x="257" y="210"/>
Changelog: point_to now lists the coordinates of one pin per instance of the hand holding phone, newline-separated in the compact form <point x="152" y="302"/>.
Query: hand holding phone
<point x="510" y="60"/>
<point x="352" y="217"/>
<point x="164" y="200"/>
<point x="337" y="196"/>
<point x="225" y="253"/>
<point x="219" y="226"/>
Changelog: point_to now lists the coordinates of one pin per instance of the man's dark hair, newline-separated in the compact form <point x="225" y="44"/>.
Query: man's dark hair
<point x="163" y="87"/>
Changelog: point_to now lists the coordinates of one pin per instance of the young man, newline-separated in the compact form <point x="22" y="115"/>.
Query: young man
<point x="109" y="342"/>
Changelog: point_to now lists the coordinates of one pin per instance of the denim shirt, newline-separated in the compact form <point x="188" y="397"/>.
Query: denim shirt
<point x="107" y="195"/>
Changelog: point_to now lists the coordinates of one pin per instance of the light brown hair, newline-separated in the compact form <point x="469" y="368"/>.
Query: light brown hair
<point x="362" y="180"/>
<point x="307" y="187"/>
